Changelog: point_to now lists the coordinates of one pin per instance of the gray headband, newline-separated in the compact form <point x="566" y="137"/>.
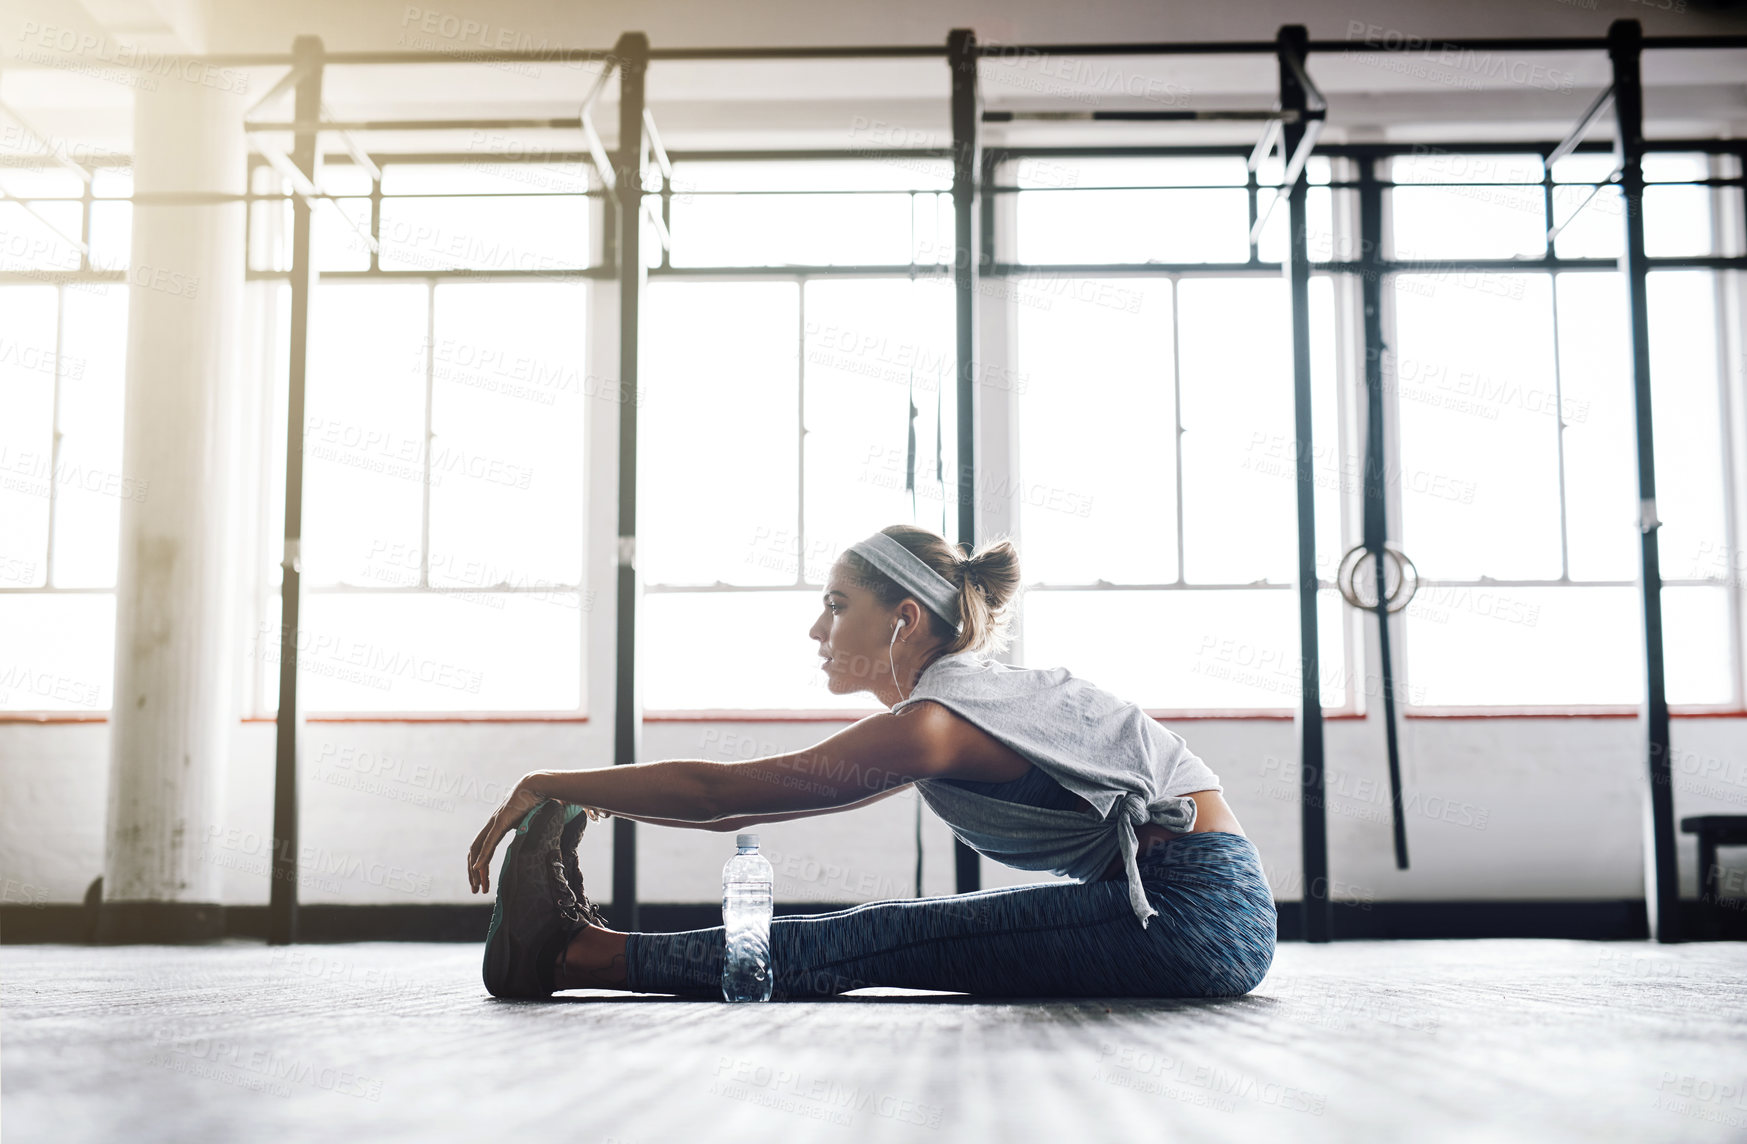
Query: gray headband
<point x="912" y="573"/>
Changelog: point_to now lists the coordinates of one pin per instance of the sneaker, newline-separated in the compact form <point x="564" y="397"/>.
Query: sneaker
<point x="575" y="822"/>
<point x="535" y="914"/>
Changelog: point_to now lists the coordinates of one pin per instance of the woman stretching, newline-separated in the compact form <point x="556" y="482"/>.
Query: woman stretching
<point x="1034" y="767"/>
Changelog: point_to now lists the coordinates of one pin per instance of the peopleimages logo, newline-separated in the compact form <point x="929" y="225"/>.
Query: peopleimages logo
<point x="91" y="47"/>
<point x="1444" y="62"/>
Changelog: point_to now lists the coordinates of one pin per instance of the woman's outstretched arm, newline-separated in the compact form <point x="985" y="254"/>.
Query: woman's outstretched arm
<point x="741" y="822"/>
<point x="869" y="757"/>
<point x="866" y="758"/>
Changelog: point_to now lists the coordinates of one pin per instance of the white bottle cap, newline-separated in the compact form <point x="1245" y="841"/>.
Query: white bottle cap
<point x="745" y="840"/>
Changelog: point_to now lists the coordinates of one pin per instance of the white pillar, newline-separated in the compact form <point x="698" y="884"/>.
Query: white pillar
<point x="172" y="720"/>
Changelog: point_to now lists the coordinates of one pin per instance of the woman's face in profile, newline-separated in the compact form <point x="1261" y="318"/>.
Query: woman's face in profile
<point x="853" y="633"/>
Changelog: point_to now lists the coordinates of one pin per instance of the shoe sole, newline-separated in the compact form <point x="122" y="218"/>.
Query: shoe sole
<point x="503" y="944"/>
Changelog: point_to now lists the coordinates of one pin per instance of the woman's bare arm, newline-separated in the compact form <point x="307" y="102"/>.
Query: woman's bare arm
<point x="868" y="757"/>
<point x="741" y="822"/>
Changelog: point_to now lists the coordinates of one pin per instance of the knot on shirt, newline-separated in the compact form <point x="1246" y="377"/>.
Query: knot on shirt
<point x="1175" y="812"/>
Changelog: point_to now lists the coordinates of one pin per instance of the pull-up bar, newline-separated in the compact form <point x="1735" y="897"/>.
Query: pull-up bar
<point x="1372" y="43"/>
<point x="1135" y="116"/>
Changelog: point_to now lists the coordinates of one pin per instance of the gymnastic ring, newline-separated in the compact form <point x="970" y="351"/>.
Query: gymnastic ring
<point x="1406" y="582"/>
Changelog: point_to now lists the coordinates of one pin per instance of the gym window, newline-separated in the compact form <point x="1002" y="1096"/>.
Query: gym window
<point x="801" y="333"/>
<point x="445" y="431"/>
<point x="62" y="379"/>
<point x="1525" y="527"/>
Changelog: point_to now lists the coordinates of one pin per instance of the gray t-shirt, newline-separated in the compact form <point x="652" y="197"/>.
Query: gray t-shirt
<point x="1109" y="751"/>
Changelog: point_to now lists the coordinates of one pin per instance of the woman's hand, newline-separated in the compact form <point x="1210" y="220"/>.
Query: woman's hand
<point x="505" y="819"/>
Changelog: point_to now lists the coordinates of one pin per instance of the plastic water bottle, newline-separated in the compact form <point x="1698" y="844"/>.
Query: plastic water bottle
<point x="746" y="911"/>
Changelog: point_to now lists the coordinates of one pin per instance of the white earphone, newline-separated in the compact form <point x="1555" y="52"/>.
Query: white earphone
<point x="889" y="663"/>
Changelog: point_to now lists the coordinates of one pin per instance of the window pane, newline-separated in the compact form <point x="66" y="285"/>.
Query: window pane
<point x="1687" y="415"/>
<point x="897" y="173"/>
<point x="1595" y="230"/>
<point x="1695" y="645"/>
<point x="1675" y="166"/>
<point x="60" y="651"/>
<point x="269" y="352"/>
<point x="1238" y="431"/>
<point x="112" y="182"/>
<point x="1133" y="226"/>
<point x="1479" y="480"/>
<point x="1483" y="646"/>
<point x="527" y="233"/>
<point x="1435" y="165"/>
<point x="364" y="434"/>
<point x="27" y="387"/>
<point x="1221" y="649"/>
<point x="422" y="651"/>
<point x="1601" y="474"/>
<point x="1677" y="221"/>
<point x="1155" y="171"/>
<point x="792" y="230"/>
<point x="111" y="235"/>
<point x="334" y="243"/>
<point x="508" y="454"/>
<point x="935" y="230"/>
<point x="344" y="178"/>
<point x="1338" y="465"/>
<point x="1097" y="492"/>
<point x="92" y="485"/>
<point x="41" y="182"/>
<point x="868" y="342"/>
<point x="1526" y="647"/>
<point x="1323" y="242"/>
<point x="270" y="235"/>
<point x="779" y="670"/>
<point x="1467" y="222"/>
<point x="46" y="240"/>
<point x="719" y="430"/>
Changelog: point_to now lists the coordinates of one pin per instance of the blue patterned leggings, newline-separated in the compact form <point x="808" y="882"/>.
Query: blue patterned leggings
<point x="1212" y="937"/>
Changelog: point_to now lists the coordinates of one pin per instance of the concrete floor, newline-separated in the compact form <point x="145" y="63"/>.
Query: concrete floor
<point x="1429" y="1041"/>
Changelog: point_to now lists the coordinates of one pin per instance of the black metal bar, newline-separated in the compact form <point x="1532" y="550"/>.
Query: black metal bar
<point x="632" y="52"/>
<point x="474" y="56"/>
<point x="1526" y="44"/>
<point x="1681" y="43"/>
<point x="1135" y="116"/>
<point x="1318" y="916"/>
<point x="902" y="51"/>
<point x="967" y="106"/>
<point x="1376" y="525"/>
<point x="897" y="51"/>
<point x="1661" y="880"/>
<point x="986" y="219"/>
<point x="288" y="723"/>
<point x="1017" y="52"/>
